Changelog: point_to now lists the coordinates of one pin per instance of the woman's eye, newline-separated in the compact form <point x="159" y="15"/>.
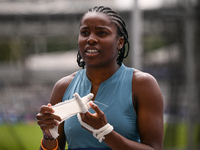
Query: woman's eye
<point x="84" y="32"/>
<point x="103" y="33"/>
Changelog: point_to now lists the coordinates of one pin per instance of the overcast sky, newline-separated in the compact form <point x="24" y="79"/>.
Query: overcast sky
<point x="144" y="4"/>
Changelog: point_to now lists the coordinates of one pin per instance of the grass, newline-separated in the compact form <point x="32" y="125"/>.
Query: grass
<point x="20" y="137"/>
<point x="176" y="136"/>
<point x="28" y="136"/>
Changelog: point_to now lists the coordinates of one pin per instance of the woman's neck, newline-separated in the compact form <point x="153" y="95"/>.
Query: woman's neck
<point x="99" y="74"/>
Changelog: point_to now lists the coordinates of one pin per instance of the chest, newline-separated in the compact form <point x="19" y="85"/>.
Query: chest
<point x="122" y="118"/>
<point x="94" y="90"/>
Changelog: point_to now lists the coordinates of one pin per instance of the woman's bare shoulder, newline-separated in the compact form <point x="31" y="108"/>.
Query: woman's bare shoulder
<point x="143" y="77"/>
<point x="144" y="84"/>
<point x="65" y="81"/>
<point x="60" y="88"/>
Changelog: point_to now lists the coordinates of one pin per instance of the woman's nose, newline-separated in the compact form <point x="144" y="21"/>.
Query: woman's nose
<point x="92" y="39"/>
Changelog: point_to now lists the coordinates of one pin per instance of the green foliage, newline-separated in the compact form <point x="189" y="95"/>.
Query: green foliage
<point x="10" y="50"/>
<point x="176" y="135"/>
<point x="152" y="42"/>
<point x="17" y="49"/>
<point x="60" y="45"/>
<point x="4" y="52"/>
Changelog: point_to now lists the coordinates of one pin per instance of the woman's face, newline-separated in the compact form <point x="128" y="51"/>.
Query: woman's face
<point x="98" y="40"/>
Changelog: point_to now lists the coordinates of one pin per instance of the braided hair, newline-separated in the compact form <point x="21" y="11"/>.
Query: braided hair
<point x="121" y="32"/>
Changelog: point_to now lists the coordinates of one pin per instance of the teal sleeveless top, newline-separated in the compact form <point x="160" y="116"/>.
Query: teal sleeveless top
<point x="114" y="98"/>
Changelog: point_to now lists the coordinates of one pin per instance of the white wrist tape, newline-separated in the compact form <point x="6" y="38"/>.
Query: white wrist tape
<point x="70" y="108"/>
<point x="97" y="133"/>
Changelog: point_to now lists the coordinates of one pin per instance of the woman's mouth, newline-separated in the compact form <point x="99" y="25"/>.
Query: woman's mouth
<point x="91" y="51"/>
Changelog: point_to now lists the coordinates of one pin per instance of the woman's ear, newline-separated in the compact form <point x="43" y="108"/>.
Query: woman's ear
<point x="120" y="43"/>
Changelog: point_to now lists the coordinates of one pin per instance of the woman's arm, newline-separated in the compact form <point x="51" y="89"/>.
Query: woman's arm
<point x="46" y="120"/>
<point x="150" y="108"/>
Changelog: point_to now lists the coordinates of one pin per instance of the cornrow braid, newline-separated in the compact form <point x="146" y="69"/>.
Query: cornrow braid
<point x="121" y="32"/>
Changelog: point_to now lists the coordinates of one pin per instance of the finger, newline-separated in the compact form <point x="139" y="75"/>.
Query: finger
<point x="49" y="105"/>
<point x="47" y="124"/>
<point x="46" y="109"/>
<point x="45" y="127"/>
<point x="96" y="108"/>
<point x="47" y="116"/>
<point x="86" y="116"/>
<point x="56" y="117"/>
<point x="87" y="113"/>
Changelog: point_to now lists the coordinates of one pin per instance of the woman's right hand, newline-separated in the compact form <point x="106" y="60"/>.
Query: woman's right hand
<point x="46" y="119"/>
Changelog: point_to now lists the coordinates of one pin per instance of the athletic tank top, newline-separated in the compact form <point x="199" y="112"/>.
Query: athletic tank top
<point x="114" y="98"/>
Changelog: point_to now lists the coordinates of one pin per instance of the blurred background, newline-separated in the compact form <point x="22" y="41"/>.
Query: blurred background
<point x="38" y="46"/>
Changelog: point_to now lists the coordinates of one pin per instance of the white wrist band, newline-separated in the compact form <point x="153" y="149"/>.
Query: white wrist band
<point x="97" y="133"/>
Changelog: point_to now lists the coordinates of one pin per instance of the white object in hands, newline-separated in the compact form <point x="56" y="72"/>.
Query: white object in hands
<point x="70" y="108"/>
<point x="97" y="133"/>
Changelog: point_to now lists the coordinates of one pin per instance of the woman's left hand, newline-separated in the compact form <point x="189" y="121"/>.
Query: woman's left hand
<point x="95" y="120"/>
